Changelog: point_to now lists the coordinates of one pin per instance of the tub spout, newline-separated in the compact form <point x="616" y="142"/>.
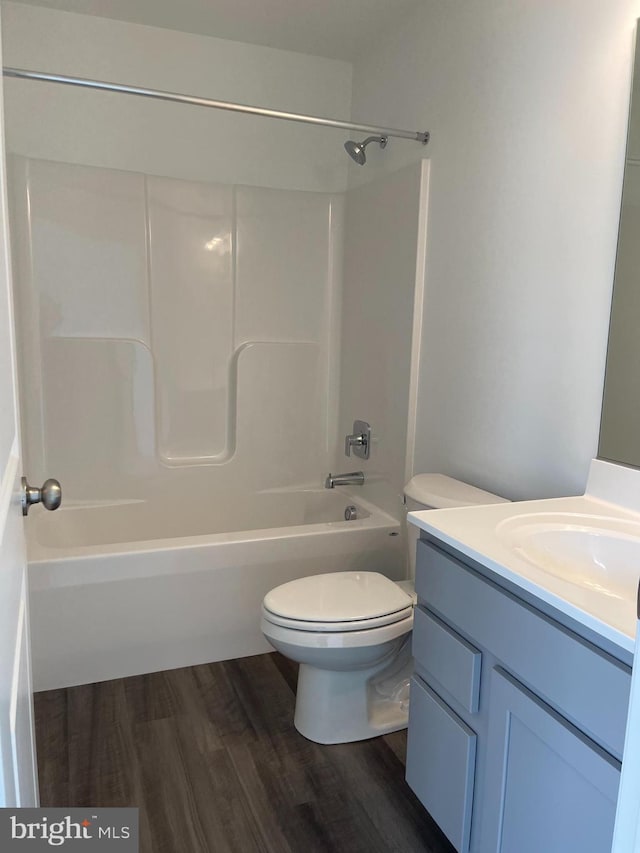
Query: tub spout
<point x="354" y="478"/>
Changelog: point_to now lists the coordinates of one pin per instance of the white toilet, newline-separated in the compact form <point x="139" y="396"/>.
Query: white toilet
<point x="351" y="634"/>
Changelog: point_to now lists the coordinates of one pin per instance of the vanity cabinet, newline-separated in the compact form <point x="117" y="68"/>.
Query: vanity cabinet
<point x="441" y="758"/>
<point x="517" y="723"/>
<point x="548" y="787"/>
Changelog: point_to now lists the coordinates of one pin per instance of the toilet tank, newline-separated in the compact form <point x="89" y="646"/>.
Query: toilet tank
<point x="436" y="491"/>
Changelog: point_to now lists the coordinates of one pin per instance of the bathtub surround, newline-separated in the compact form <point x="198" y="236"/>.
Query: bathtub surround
<point x="381" y="318"/>
<point x="162" y="316"/>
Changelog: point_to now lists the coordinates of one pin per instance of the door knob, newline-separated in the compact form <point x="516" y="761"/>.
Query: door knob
<point x="50" y="495"/>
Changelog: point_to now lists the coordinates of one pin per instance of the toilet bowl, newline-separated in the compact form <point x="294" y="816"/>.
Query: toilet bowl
<point x="349" y="631"/>
<point x="351" y="634"/>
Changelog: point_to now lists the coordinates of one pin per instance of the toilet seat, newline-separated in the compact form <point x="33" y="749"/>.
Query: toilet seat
<point x="344" y="625"/>
<point x="337" y="638"/>
<point x="337" y="601"/>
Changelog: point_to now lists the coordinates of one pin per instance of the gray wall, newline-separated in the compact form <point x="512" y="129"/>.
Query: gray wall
<point x="527" y="103"/>
<point x="117" y="132"/>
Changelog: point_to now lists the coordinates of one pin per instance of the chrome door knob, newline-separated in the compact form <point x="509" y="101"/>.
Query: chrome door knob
<point x="50" y="495"/>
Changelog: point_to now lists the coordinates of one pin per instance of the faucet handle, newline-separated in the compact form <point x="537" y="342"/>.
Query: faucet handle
<point x="359" y="440"/>
<point x="353" y="441"/>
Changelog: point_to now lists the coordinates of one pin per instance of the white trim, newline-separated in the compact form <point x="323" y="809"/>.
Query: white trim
<point x="418" y="308"/>
<point x="7" y="484"/>
<point x="15" y="692"/>
<point x="626" y="835"/>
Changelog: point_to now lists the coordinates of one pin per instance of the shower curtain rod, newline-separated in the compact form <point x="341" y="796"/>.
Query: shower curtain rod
<point x="83" y="82"/>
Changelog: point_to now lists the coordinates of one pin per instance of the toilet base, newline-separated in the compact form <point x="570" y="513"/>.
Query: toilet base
<point x="342" y="707"/>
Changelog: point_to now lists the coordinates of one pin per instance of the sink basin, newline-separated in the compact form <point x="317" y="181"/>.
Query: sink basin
<point x="594" y="552"/>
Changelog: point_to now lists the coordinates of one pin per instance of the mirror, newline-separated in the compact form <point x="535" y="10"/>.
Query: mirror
<point x="620" y="424"/>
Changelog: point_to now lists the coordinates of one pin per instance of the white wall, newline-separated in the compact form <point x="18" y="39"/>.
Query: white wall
<point x="53" y="122"/>
<point x="527" y="104"/>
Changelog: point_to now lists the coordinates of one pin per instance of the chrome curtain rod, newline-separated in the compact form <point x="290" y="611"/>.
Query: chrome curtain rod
<point x="157" y="94"/>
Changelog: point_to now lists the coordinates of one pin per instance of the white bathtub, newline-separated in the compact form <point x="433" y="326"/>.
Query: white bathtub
<point x="122" y="589"/>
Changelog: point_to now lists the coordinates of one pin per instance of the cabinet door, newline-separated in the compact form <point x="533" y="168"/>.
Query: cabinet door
<point x="547" y="786"/>
<point x="441" y="754"/>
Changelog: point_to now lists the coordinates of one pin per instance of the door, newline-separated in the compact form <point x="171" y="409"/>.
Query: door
<point x="18" y="778"/>
<point x="546" y="786"/>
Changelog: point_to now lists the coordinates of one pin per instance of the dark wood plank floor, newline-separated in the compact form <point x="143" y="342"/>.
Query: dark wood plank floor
<point x="210" y="756"/>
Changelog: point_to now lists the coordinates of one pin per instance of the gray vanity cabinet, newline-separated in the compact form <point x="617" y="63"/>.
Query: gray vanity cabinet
<point x="547" y="787"/>
<point x="441" y="757"/>
<point x="516" y="724"/>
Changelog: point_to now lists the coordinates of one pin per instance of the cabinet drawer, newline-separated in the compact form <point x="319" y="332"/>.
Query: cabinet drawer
<point x="587" y="686"/>
<point x="441" y="756"/>
<point x="445" y="659"/>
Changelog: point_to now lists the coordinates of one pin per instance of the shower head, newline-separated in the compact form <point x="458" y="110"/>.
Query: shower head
<point x="355" y="150"/>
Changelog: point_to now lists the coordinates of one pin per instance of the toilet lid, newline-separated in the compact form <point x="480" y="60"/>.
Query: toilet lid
<point x="359" y="599"/>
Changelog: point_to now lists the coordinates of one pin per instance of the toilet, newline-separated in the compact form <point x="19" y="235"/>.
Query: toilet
<point x="351" y="634"/>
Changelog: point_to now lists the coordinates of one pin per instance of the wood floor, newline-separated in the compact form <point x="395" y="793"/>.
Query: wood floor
<point x="210" y="756"/>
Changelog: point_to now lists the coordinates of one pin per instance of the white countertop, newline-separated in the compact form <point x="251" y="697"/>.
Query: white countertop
<point x="473" y="532"/>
